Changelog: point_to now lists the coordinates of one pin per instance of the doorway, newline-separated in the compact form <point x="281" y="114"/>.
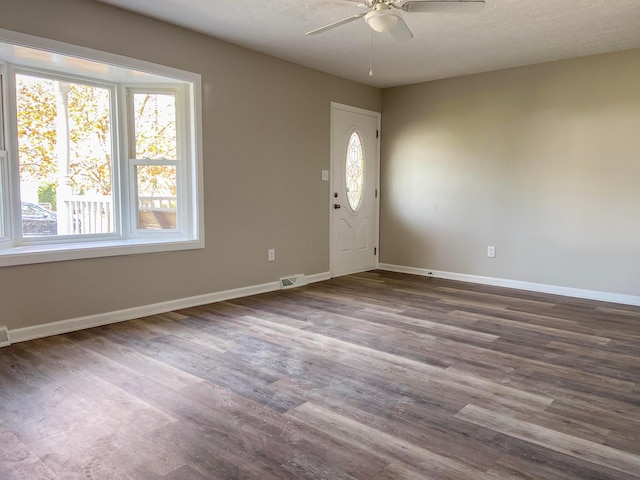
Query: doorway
<point x="355" y="159"/>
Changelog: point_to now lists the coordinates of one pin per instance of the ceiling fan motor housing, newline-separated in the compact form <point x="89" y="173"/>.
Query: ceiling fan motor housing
<point x="381" y="19"/>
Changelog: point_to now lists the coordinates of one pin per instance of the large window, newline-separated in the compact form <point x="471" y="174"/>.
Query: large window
<point x="65" y="155"/>
<point x="156" y="159"/>
<point x="96" y="158"/>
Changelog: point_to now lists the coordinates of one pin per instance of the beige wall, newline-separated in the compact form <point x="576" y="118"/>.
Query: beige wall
<point x="266" y="140"/>
<point x="542" y="161"/>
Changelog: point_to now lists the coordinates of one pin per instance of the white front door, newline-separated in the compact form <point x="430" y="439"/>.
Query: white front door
<point x="354" y="189"/>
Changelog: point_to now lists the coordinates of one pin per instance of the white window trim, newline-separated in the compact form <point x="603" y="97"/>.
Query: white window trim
<point x="14" y="70"/>
<point x="180" y="163"/>
<point x="192" y="210"/>
<point x="4" y="224"/>
<point x="4" y="166"/>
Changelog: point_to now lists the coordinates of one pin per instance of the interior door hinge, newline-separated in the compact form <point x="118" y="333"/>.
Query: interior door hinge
<point x="375" y="250"/>
<point x="376" y="193"/>
<point x="377" y="134"/>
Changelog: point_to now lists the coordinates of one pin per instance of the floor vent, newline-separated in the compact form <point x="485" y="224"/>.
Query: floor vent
<point x="294" y="281"/>
<point x="4" y="336"/>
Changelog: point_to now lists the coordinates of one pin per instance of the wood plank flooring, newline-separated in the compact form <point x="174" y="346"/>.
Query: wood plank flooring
<point x="375" y="376"/>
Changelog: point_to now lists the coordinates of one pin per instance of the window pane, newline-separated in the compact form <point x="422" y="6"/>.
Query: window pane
<point x="157" y="202"/>
<point x="65" y="150"/>
<point x="354" y="174"/>
<point x="155" y="125"/>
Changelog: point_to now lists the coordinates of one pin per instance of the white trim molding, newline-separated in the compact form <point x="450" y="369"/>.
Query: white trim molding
<point x="516" y="284"/>
<point x="90" y="321"/>
<point x="4" y="336"/>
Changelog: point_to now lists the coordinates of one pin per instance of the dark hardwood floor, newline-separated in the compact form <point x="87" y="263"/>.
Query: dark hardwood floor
<point x="374" y="376"/>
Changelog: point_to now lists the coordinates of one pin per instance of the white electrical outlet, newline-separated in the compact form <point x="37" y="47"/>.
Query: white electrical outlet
<point x="325" y="175"/>
<point x="491" y="251"/>
<point x="272" y="255"/>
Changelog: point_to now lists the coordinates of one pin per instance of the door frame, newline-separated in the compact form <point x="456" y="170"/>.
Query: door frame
<point x="376" y="171"/>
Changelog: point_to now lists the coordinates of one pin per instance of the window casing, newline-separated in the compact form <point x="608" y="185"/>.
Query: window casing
<point x="66" y="143"/>
<point x="156" y="164"/>
<point x="148" y="195"/>
<point x="3" y="164"/>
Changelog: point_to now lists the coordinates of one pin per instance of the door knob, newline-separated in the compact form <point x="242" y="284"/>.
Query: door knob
<point x="336" y="206"/>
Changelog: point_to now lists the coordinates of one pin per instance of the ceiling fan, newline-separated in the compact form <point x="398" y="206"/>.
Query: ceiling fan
<point x="382" y="17"/>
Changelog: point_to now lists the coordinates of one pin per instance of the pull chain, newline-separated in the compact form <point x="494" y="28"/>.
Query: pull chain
<point x="371" y="56"/>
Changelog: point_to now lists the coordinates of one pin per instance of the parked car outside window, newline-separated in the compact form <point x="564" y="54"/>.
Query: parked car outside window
<point x="37" y="220"/>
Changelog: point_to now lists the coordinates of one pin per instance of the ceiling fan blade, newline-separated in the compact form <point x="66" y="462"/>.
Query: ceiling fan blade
<point x="336" y="24"/>
<point x="444" y="6"/>
<point x="362" y="3"/>
<point x="401" y="32"/>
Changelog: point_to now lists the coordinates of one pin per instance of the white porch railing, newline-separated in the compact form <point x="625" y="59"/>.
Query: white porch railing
<point x="85" y="214"/>
<point x="167" y="204"/>
<point x="157" y="213"/>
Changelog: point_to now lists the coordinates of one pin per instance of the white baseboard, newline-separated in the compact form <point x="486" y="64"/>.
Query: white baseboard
<point x="80" y="323"/>
<point x="533" y="287"/>
<point x="4" y="336"/>
<point x="319" y="277"/>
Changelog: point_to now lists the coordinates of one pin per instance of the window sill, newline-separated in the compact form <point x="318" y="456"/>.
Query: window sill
<point x="25" y="255"/>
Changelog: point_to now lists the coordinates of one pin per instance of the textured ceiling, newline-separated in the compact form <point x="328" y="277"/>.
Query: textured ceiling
<point x="506" y="33"/>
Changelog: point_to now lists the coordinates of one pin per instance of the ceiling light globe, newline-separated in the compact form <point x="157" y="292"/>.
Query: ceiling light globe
<point x="381" y="20"/>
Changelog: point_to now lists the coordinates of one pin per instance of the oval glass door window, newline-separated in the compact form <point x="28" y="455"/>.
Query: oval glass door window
<point x="354" y="171"/>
